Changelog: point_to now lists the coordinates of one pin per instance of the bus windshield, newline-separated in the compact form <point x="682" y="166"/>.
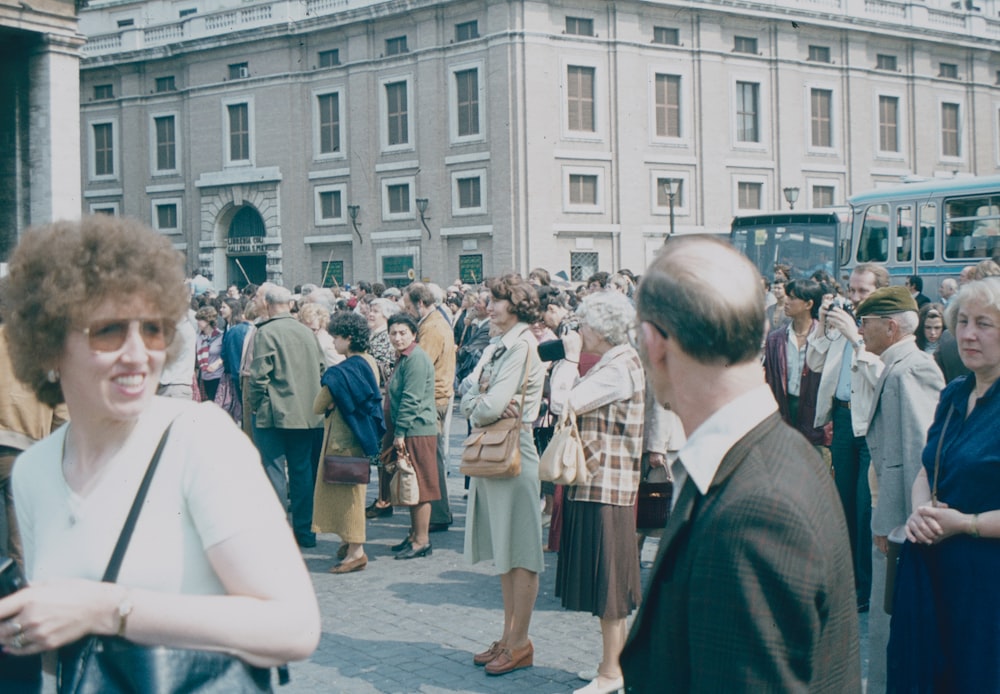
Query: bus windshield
<point x="806" y="241"/>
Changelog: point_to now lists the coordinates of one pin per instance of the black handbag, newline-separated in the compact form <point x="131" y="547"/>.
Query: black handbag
<point x="113" y="665"/>
<point x="345" y="469"/>
<point x="653" y="504"/>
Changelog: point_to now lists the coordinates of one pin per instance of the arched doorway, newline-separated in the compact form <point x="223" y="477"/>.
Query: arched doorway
<point x="247" y="262"/>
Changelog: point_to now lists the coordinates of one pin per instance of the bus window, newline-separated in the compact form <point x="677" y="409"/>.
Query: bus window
<point x="928" y="226"/>
<point x="972" y="226"/>
<point x="904" y="234"/>
<point x="873" y="244"/>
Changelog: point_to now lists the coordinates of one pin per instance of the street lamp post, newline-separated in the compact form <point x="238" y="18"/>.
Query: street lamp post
<point x="791" y="195"/>
<point x="671" y="187"/>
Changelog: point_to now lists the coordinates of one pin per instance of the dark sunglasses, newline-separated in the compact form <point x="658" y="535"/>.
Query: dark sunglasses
<point x="110" y="335"/>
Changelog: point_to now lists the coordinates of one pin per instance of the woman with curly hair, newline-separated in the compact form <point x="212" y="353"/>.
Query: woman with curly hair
<point x="209" y="351"/>
<point x="352" y="402"/>
<point x="315" y="317"/>
<point x="504" y="521"/>
<point x="92" y="306"/>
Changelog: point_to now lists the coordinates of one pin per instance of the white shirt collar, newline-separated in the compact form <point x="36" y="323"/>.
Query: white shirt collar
<point x="708" y="444"/>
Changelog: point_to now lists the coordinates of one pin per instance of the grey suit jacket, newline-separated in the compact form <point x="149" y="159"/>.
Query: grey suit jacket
<point x="905" y="398"/>
<point x="753" y="587"/>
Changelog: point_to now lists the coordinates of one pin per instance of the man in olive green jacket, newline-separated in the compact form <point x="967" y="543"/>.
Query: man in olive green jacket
<point x="284" y="381"/>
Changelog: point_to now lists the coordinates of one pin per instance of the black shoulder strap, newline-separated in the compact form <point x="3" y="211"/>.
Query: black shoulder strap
<point x="111" y="573"/>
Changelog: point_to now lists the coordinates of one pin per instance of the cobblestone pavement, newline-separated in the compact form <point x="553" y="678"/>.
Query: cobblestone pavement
<point x="412" y="626"/>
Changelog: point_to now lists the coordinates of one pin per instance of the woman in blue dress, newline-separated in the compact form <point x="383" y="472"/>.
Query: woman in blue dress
<point x="945" y="633"/>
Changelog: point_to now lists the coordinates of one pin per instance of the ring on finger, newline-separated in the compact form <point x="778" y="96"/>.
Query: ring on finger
<point x="18" y="640"/>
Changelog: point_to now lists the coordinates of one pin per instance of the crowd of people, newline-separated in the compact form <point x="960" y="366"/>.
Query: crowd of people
<point x="778" y="537"/>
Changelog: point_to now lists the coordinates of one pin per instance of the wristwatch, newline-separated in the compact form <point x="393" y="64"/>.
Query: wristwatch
<point x="859" y="343"/>
<point x="124" y="610"/>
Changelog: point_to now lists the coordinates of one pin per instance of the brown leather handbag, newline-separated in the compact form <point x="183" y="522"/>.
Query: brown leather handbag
<point x="494" y="450"/>
<point x="345" y="469"/>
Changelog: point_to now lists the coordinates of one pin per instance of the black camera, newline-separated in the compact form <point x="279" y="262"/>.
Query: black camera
<point x="842" y="303"/>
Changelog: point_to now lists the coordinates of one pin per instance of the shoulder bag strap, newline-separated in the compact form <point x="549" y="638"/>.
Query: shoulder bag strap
<point x="937" y="456"/>
<point x="115" y="564"/>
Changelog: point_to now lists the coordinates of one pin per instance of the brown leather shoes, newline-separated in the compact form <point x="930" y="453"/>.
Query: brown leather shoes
<point x="489" y="654"/>
<point x="508" y="660"/>
<point x="346" y="567"/>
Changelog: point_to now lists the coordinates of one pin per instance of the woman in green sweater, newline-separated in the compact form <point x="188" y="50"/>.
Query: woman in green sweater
<point x="411" y="420"/>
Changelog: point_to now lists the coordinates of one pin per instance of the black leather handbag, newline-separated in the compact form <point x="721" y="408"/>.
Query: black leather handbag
<point x="113" y="665"/>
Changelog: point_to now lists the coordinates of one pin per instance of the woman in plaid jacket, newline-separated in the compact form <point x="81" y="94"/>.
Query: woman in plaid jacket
<point x="598" y="568"/>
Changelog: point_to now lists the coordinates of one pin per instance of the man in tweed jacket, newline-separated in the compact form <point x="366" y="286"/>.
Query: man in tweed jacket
<point x="752" y="590"/>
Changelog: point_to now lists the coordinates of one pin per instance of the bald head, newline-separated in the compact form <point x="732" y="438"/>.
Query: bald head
<point x="705" y="295"/>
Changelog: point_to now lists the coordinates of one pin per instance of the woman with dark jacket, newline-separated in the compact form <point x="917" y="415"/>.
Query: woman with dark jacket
<point x="794" y="384"/>
<point x="352" y="402"/>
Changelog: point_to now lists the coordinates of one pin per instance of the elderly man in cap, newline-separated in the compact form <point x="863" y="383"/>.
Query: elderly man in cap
<point x="905" y="397"/>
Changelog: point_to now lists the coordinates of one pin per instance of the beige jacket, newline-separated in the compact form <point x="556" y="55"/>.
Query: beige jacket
<point x="23" y="420"/>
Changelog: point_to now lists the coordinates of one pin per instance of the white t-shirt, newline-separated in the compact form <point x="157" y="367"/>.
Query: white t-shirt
<point x="209" y="487"/>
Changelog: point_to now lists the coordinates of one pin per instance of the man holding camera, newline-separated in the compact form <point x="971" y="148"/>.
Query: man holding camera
<point x="846" y="393"/>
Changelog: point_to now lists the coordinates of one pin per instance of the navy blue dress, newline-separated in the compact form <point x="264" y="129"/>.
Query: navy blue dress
<point x="945" y="629"/>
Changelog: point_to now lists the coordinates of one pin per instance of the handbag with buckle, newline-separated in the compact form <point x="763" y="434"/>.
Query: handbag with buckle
<point x="403" y="487"/>
<point x="653" y="502"/>
<point x="114" y="665"/>
<point x="494" y="450"/>
<point x="345" y="469"/>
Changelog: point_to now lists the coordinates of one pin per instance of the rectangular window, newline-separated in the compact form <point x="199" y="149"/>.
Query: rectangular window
<point x="950" y="140"/>
<point x="819" y="54"/>
<point x="187" y="13"/>
<point x="166" y="216"/>
<point x="582" y="264"/>
<point x="582" y="189"/>
<point x="904" y="234"/>
<point x="667" y="36"/>
<point x="104" y="150"/>
<point x="747" y="111"/>
<point x="750" y="195"/>
<point x="578" y="26"/>
<point x="885" y="62"/>
<point x="873" y="246"/>
<point x="396" y="46"/>
<point x="399" y="198"/>
<point x="329" y="123"/>
<point x="822" y="196"/>
<point x="466" y="31"/>
<point x="928" y="227"/>
<point x="972" y="226"/>
<point x="948" y="71"/>
<point x="821" y="117"/>
<point x="329" y="205"/>
<point x="329" y="58"/>
<point x="668" y="106"/>
<point x="888" y="123"/>
<point x="239" y="132"/>
<point x="165" y="84"/>
<point x="580" y="98"/>
<point x="239" y="71"/>
<point x="470" y="268"/>
<point x="467" y="101"/>
<point x="104" y="91"/>
<point x="333" y="273"/>
<point x="396" y="113"/>
<point x="745" y="44"/>
<point x="166" y="143"/>
<point x="123" y="23"/>
<point x="469" y="192"/>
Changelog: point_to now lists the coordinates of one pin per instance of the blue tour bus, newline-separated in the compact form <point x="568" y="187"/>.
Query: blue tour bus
<point x="931" y="228"/>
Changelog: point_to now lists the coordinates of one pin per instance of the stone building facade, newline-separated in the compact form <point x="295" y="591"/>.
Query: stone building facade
<point x="39" y="116"/>
<point x="352" y="139"/>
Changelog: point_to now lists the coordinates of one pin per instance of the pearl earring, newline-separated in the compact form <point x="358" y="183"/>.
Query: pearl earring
<point x="52" y="376"/>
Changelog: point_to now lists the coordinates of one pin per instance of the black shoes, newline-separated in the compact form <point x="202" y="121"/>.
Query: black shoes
<point x="411" y="553"/>
<point x="376" y="511"/>
<point x="405" y="544"/>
